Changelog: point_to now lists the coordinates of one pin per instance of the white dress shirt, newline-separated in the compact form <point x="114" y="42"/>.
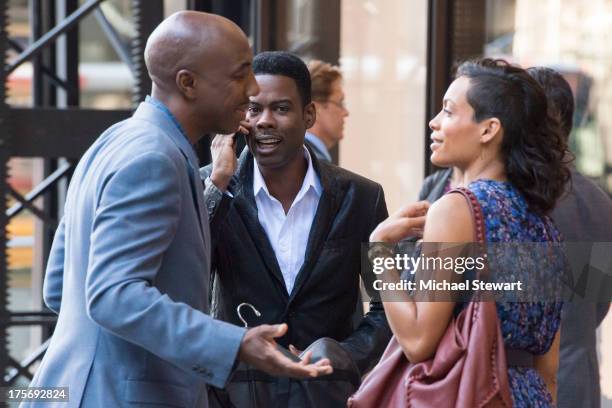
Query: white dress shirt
<point x="288" y="233"/>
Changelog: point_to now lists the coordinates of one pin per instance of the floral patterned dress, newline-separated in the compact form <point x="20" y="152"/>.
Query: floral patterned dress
<point x="525" y="326"/>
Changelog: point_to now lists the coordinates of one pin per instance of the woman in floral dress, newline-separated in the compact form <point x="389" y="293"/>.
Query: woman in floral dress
<point x="494" y="128"/>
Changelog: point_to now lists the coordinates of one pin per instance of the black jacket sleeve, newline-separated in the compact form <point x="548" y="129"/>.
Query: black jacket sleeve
<point x="434" y="184"/>
<point x="367" y="343"/>
<point x="426" y="187"/>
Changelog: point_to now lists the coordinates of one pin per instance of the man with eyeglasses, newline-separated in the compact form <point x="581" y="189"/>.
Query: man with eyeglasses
<point x="328" y="98"/>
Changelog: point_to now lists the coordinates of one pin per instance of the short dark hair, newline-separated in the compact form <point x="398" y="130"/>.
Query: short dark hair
<point x="534" y="149"/>
<point x="559" y="95"/>
<point x="286" y="64"/>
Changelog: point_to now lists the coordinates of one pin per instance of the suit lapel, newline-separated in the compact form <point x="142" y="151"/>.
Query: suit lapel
<point x="197" y="191"/>
<point x="330" y="200"/>
<point x="148" y="112"/>
<point x="244" y="202"/>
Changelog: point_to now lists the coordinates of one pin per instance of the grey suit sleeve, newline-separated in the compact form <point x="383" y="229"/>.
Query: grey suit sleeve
<point x="426" y="188"/>
<point x="136" y="221"/>
<point x="367" y="343"/>
<point x="216" y="201"/>
<point x="54" y="274"/>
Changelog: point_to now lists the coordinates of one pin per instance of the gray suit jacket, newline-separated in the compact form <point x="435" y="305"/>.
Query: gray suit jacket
<point x="434" y="185"/>
<point x="129" y="274"/>
<point x="584" y="214"/>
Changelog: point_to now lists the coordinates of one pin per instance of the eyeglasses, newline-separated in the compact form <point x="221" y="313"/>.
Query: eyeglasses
<point x="341" y="104"/>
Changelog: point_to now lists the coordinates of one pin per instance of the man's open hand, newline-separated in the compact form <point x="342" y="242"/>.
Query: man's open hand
<point x="258" y="348"/>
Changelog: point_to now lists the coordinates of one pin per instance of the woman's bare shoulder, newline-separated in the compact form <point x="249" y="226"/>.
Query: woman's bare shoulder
<point x="449" y="220"/>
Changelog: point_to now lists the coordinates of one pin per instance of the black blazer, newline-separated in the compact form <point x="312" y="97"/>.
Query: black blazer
<point x="583" y="214"/>
<point x="325" y="293"/>
<point x="434" y="184"/>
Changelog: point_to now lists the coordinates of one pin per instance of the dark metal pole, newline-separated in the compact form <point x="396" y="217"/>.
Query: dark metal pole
<point x="200" y="5"/>
<point x="4" y="157"/>
<point x="120" y="48"/>
<point x="147" y="15"/>
<point x="67" y="55"/>
<point x="439" y="60"/>
<point x="44" y="68"/>
<point x="42" y="17"/>
<point x="263" y="27"/>
<point x="58" y="30"/>
<point x="40" y="189"/>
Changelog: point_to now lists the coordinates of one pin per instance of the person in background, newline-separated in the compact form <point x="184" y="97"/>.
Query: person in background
<point x="439" y="183"/>
<point x="583" y="214"/>
<point x="328" y="130"/>
<point x="328" y="98"/>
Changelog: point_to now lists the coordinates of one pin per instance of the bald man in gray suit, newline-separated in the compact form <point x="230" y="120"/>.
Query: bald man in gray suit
<point x="129" y="269"/>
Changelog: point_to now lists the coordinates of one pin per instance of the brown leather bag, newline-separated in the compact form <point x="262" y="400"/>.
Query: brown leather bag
<point x="468" y="370"/>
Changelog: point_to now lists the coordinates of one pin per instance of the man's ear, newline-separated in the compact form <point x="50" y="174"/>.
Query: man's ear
<point x="310" y="115"/>
<point x="491" y="128"/>
<point x="186" y="83"/>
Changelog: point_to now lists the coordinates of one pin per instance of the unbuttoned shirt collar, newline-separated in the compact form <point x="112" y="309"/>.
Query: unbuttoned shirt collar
<point x="288" y="233"/>
<point x="311" y="180"/>
<point x="160" y="105"/>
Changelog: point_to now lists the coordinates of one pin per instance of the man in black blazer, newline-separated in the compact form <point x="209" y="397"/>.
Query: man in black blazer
<point x="287" y="234"/>
<point x="436" y="185"/>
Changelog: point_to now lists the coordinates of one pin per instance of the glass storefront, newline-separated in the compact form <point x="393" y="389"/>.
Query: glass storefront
<point x="573" y="37"/>
<point x="383" y="57"/>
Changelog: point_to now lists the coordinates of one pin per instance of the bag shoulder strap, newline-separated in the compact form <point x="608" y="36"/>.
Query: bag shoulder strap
<point x="480" y="230"/>
<point x="477" y="215"/>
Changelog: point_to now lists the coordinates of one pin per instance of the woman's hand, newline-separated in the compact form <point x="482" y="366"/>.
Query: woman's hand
<point x="407" y="221"/>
